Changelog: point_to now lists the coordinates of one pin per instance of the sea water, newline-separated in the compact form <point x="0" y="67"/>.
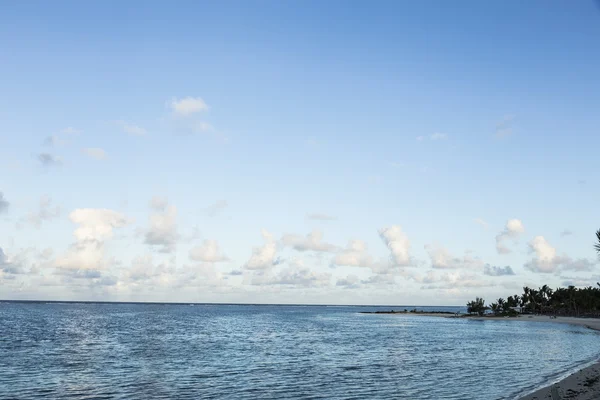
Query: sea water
<point x="161" y="351"/>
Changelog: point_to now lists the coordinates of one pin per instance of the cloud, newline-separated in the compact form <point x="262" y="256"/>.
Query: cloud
<point x="49" y="160"/>
<point x="320" y="217"/>
<point x="312" y="242"/>
<point x="442" y="259"/>
<point x="294" y="276"/>
<point x="398" y="244"/>
<point x="349" y="282"/>
<point x="71" y="131"/>
<point x="504" y="127"/>
<point x="303" y="277"/>
<point x="187" y="105"/>
<point x="53" y="140"/>
<point x="263" y="257"/>
<point x="354" y="255"/>
<point x="497" y="271"/>
<point x="512" y="230"/>
<point x="45" y="212"/>
<point x="94" y="152"/>
<point x="451" y="280"/>
<point x="565" y="233"/>
<point x="95" y="226"/>
<point x="481" y="222"/>
<point x="131" y="129"/>
<point x="10" y="266"/>
<point x="162" y="232"/>
<point x="433" y="137"/>
<point x="216" y="208"/>
<point x="4" y="204"/>
<point x="546" y="259"/>
<point x="207" y="252"/>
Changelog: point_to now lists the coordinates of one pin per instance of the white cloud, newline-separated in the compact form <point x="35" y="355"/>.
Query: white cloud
<point x="207" y="252"/>
<point x="320" y="217"/>
<point x="546" y="259"/>
<point x="187" y="105"/>
<point x="94" y="152"/>
<point x="162" y="232"/>
<point x="263" y="257"/>
<point x="354" y="255"/>
<point x="131" y="129"/>
<point x="296" y="276"/>
<point x="95" y="226"/>
<point x="398" y="244"/>
<point x="512" y="230"/>
<point x="45" y="212"/>
<point x="10" y="265"/>
<point x="312" y="242"/>
<point x="442" y="259"/>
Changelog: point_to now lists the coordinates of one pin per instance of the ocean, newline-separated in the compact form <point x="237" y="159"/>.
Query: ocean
<point x="163" y="351"/>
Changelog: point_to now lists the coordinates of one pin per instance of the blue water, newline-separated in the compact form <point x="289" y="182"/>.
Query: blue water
<point x="134" y="351"/>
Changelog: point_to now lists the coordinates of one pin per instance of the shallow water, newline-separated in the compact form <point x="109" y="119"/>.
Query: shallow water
<point x="117" y="351"/>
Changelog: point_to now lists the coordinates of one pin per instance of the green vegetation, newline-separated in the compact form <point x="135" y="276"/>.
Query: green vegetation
<point x="477" y="306"/>
<point x="569" y="301"/>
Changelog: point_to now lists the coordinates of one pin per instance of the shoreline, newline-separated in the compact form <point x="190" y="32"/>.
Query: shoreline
<point x="582" y="384"/>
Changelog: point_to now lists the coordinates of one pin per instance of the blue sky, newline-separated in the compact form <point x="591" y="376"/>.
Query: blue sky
<point x="145" y="146"/>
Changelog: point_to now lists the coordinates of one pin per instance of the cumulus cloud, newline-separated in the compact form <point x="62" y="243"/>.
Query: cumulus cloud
<point x="131" y="129"/>
<point x="207" y="252"/>
<point x="187" y="105"/>
<point x="320" y="217"/>
<point x="354" y="255"/>
<point x="297" y="276"/>
<point x="398" y="244"/>
<point x="10" y="265"/>
<point x="512" y="230"/>
<point x="4" y="204"/>
<point x="94" y="152"/>
<point x="95" y="226"/>
<point x="263" y="257"/>
<point x="442" y="259"/>
<point x="546" y="259"/>
<point x="49" y="160"/>
<point x="216" y="208"/>
<point x="45" y="212"/>
<point x="349" y="282"/>
<point x="451" y="280"/>
<point x="162" y="232"/>
<point x="311" y="242"/>
<point x="497" y="271"/>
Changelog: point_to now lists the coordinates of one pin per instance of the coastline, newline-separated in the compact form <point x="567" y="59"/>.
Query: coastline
<point x="583" y="384"/>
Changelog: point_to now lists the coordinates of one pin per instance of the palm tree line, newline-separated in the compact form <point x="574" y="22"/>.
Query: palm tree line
<point x="570" y="301"/>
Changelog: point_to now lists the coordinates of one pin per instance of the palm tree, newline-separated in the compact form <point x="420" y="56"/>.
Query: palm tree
<point x="597" y="245"/>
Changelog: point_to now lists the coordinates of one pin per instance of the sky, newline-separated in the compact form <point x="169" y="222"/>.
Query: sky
<point x="339" y="152"/>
